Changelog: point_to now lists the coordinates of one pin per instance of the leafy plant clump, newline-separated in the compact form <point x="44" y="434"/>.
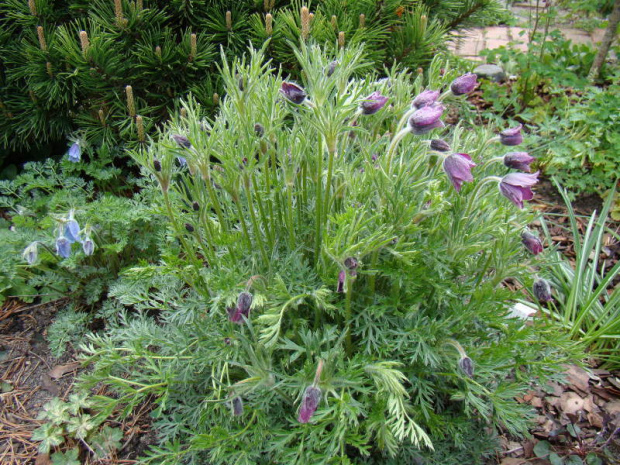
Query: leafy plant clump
<point x="336" y="292"/>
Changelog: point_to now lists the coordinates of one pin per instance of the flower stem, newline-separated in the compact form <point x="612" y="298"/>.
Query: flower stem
<point x="348" y="315"/>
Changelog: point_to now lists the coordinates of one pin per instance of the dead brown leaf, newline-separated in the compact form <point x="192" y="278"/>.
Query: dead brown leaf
<point x="578" y="377"/>
<point x="513" y="461"/>
<point x="43" y="459"/>
<point x="60" y="370"/>
<point x="613" y="407"/>
<point x="571" y="403"/>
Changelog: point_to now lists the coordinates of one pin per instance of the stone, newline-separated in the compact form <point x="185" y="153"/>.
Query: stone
<point x="491" y="72"/>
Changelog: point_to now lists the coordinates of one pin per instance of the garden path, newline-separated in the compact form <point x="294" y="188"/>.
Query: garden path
<point x="471" y="42"/>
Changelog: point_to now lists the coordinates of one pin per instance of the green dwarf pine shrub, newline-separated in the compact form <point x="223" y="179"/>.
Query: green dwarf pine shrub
<point x="334" y="296"/>
<point x="108" y="72"/>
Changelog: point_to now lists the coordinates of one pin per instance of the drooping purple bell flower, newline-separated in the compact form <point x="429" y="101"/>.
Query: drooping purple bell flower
<point x="182" y="141"/>
<point x="293" y="92"/>
<point x="458" y="168"/>
<point x="542" y="290"/>
<point x="75" y="153"/>
<point x="88" y="246"/>
<point x="516" y="187"/>
<point x="63" y="247"/>
<point x="518" y="161"/>
<point x="511" y="136"/>
<point x="440" y="145"/>
<point x="309" y="404"/>
<point x="464" y="84"/>
<point x="331" y="68"/>
<point x="351" y="265"/>
<point x="72" y="231"/>
<point x="467" y="366"/>
<point x="426" y="119"/>
<point x="424" y="99"/>
<point x="373" y="103"/>
<point x="244" y="302"/>
<point x="531" y="242"/>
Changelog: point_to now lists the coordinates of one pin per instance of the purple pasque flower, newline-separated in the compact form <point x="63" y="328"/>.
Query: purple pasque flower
<point x="373" y="103"/>
<point x="426" y="119"/>
<point x="63" y="247"/>
<point x="182" y="141"/>
<point x="425" y="98"/>
<point x="440" y="145"/>
<point x="518" y="161"/>
<point x="464" y="84"/>
<point x="516" y="187"/>
<point x="244" y="302"/>
<point x="531" y="242"/>
<point x="542" y="290"/>
<point x="75" y="152"/>
<point x="293" y="93"/>
<point x="466" y="364"/>
<point x="88" y="246"/>
<point x="458" y="168"/>
<point x="511" y="136"/>
<point x="341" y="278"/>
<point x="309" y="403"/>
<point x="31" y="253"/>
<point x="237" y="406"/>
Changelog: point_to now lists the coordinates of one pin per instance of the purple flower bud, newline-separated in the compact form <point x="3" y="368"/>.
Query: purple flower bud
<point x="182" y="141"/>
<point x="75" y="153"/>
<point x="511" y="136"/>
<point x="63" y="247"/>
<point x="72" y="231"/>
<point x="426" y="119"/>
<point x="293" y="92"/>
<point x="464" y="84"/>
<point x="244" y="302"/>
<point x="518" y="161"/>
<point x="458" y="168"/>
<point x="88" y="246"/>
<point x="259" y="129"/>
<point x="157" y="165"/>
<point x="373" y="103"/>
<point x="424" y="99"/>
<point x="189" y="227"/>
<point x="467" y="365"/>
<point x="31" y="253"/>
<point x="341" y="277"/>
<point x="196" y="206"/>
<point x="309" y="403"/>
<point x="531" y="242"/>
<point x="542" y="291"/>
<point x="440" y="145"/>
<point x="237" y="406"/>
<point x="182" y="161"/>
<point x="331" y="68"/>
<point x="516" y="187"/>
<point x="351" y="263"/>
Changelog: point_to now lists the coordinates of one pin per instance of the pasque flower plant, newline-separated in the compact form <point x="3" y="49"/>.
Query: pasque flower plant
<point x="357" y="255"/>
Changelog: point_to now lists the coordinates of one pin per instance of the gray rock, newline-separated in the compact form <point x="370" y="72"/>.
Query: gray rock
<point x="491" y="72"/>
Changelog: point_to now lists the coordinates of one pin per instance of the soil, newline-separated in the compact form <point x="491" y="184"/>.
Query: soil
<point x="30" y="377"/>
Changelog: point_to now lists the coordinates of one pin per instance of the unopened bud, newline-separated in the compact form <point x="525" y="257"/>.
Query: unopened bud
<point x="189" y="227"/>
<point x="309" y="404"/>
<point x="531" y="242"/>
<point x="259" y="129"/>
<point x="331" y="68"/>
<point x="41" y="36"/>
<point x="195" y="206"/>
<point x="157" y="165"/>
<point x="31" y="253"/>
<point x="131" y="104"/>
<point x="440" y="145"/>
<point x="269" y="24"/>
<point x="237" y="406"/>
<point x="84" y="42"/>
<point x="467" y="365"/>
<point x="542" y="291"/>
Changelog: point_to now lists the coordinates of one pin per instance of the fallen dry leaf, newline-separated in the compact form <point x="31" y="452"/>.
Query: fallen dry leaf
<point x="60" y="370"/>
<point x="513" y="461"/>
<point x="595" y="420"/>
<point x="43" y="459"/>
<point x="613" y="407"/>
<point x="578" y="377"/>
<point x="571" y="403"/>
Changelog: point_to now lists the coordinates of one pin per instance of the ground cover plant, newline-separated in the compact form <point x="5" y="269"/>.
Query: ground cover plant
<point x="110" y="71"/>
<point x="335" y="294"/>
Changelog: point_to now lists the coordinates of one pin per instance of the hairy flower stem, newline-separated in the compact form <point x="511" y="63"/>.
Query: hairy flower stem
<point x="331" y="150"/>
<point x="472" y="200"/>
<point x="244" y="226"/>
<point x="254" y="221"/>
<point x="289" y="215"/>
<point x="263" y="216"/>
<point x="348" y="315"/>
<point x="317" y="214"/>
<point x="392" y="148"/>
<point x="372" y="278"/>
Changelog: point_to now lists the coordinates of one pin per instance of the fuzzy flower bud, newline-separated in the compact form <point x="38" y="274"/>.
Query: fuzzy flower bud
<point x="182" y="141"/>
<point x="440" y="145"/>
<point x="424" y="99"/>
<point x="426" y="119"/>
<point x="531" y="242"/>
<point x="309" y="404"/>
<point x="467" y="366"/>
<point x="516" y="187"/>
<point x="189" y="227"/>
<point x="88" y="246"/>
<point x="63" y="247"/>
<point x="244" y="302"/>
<point x="542" y="291"/>
<point x="458" y="168"/>
<point x="237" y="406"/>
<point x="518" y="161"/>
<point x="75" y="153"/>
<point x="341" y="278"/>
<point x="511" y="136"/>
<point x="331" y="68"/>
<point x="31" y="253"/>
<point x="373" y="103"/>
<point x="259" y="129"/>
<point x="195" y="206"/>
<point x="293" y="92"/>
<point x="157" y="165"/>
<point x="464" y="84"/>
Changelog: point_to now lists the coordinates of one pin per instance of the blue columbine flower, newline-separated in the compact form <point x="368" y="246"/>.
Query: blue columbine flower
<point x="75" y="152"/>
